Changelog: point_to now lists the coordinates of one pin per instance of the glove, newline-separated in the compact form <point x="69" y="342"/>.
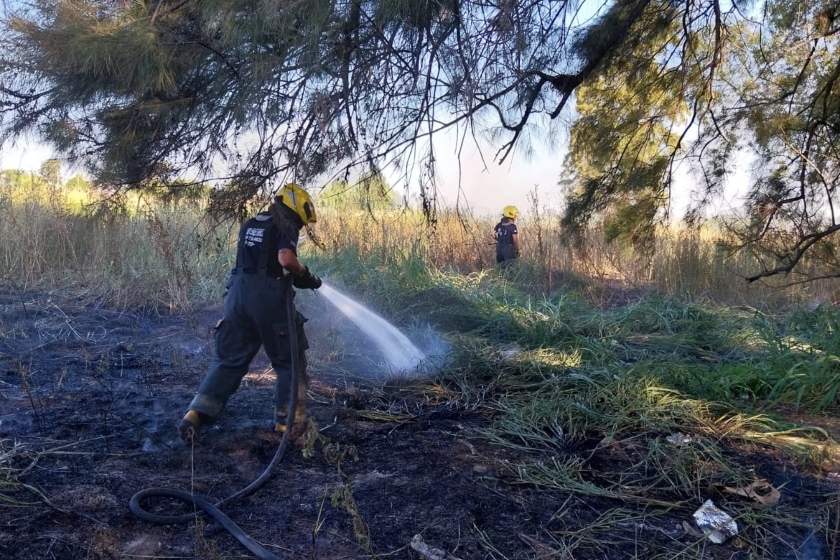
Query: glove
<point x="306" y="281"/>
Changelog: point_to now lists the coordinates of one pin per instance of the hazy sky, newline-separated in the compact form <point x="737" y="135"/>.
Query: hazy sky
<point x="485" y="186"/>
<point x="26" y="155"/>
<point x="485" y="191"/>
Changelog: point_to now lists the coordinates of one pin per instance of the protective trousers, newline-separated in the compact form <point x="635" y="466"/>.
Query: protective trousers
<point x="254" y="315"/>
<point x="505" y="252"/>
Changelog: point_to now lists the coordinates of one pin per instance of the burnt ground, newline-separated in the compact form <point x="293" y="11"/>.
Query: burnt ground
<point x="91" y="398"/>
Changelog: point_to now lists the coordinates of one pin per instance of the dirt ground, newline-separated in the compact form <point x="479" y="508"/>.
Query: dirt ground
<point x="91" y="398"/>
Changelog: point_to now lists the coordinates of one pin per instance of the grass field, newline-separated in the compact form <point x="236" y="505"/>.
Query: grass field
<point x="595" y="361"/>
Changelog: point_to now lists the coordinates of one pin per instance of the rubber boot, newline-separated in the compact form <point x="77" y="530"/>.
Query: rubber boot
<point x="281" y="402"/>
<point x="280" y="419"/>
<point x="190" y="427"/>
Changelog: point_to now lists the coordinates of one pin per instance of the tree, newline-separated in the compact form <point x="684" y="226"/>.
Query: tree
<point x="371" y="192"/>
<point x="78" y="183"/>
<point x="767" y="87"/>
<point x="621" y="141"/>
<point x="317" y="85"/>
<point x="270" y="90"/>
<point x="21" y="185"/>
<point x="50" y="172"/>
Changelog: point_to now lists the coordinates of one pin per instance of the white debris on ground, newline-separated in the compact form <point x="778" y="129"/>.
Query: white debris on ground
<point x="715" y="523"/>
<point x="427" y="552"/>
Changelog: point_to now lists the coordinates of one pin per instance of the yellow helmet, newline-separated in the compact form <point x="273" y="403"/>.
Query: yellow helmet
<point x="296" y="198"/>
<point x="510" y="212"/>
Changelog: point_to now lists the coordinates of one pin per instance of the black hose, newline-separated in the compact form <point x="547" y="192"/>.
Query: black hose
<point x="213" y="509"/>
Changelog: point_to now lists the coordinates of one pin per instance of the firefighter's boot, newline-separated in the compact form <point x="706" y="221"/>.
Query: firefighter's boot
<point x="190" y="427"/>
<point x="299" y="421"/>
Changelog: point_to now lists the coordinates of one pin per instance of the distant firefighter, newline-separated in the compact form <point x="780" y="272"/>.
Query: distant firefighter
<point x="507" y="236"/>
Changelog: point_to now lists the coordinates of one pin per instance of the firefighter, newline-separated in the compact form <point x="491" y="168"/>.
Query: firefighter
<point x="255" y="312"/>
<point x="506" y="236"/>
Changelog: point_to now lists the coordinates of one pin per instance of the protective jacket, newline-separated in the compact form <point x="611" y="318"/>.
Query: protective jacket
<point x="255" y="316"/>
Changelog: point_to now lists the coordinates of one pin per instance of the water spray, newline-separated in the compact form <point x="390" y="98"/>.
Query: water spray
<point x="400" y="353"/>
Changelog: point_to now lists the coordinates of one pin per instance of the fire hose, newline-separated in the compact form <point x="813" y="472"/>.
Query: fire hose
<point x="214" y="510"/>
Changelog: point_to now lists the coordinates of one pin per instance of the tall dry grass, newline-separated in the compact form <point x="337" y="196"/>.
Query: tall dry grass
<point x="685" y="262"/>
<point x="126" y="252"/>
<point x="138" y="252"/>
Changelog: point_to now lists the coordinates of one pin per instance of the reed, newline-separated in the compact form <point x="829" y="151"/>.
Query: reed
<point x="685" y="262"/>
<point x="127" y="252"/>
<point x="142" y="250"/>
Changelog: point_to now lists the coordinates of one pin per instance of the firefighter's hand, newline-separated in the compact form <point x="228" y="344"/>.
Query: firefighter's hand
<point x="307" y="281"/>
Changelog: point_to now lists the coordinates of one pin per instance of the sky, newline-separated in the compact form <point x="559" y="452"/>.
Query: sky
<point x="485" y="189"/>
<point x="480" y="185"/>
<point x="27" y="156"/>
<point x="485" y="186"/>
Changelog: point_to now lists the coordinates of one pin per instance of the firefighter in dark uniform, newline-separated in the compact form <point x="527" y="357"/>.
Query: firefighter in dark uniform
<point x="506" y="236"/>
<point x="255" y="312"/>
